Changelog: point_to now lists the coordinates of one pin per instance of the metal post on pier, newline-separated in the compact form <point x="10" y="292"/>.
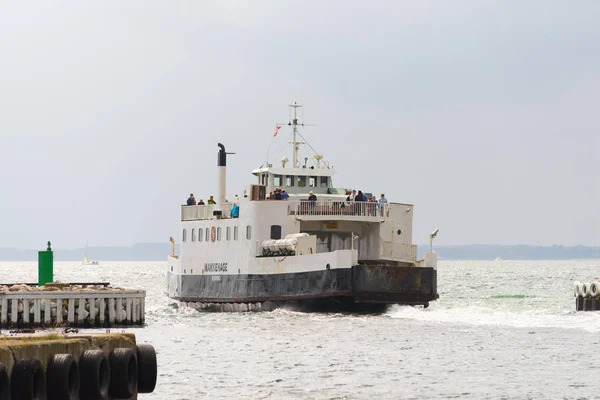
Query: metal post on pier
<point x="45" y="266"/>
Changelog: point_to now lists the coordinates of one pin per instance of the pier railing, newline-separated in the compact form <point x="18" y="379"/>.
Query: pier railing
<point x="82" y="308"/>
<point x="339" y="208"/>
<point x="193" y="213"/>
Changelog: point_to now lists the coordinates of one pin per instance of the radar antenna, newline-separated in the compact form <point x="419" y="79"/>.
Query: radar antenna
<point x="294" y="124"/>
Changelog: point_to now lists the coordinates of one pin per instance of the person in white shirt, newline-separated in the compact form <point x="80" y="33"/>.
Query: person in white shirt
<point x="382" y="202"/>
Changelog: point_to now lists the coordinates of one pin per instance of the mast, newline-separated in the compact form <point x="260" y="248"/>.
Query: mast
<point x="294" y="123"/>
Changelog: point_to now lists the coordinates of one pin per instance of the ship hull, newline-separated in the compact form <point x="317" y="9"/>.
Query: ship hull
<point x="360" y="284"/>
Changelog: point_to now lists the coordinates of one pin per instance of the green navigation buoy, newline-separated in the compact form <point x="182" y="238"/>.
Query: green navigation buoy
<point x="45" y="266"/>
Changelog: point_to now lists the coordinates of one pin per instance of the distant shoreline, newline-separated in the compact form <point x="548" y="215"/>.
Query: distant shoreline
<point x="159" y="252"/>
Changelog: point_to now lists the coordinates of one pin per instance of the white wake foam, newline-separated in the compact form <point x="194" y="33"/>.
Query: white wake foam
<point x="473" y="315"/>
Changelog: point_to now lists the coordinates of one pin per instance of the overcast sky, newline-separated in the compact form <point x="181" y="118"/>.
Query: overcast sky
<point x="484" y="114"/>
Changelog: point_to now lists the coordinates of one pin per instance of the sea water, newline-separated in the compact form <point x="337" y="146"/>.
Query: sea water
<point x="501" y="329"/>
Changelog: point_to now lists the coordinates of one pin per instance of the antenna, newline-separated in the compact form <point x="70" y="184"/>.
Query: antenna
<point x="294" y="124"/>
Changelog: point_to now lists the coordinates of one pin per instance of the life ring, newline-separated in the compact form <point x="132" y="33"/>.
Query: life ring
<point x="581" y="289"/>
<point x="213" y="234"/>
<point x="594" y="289"/>
<point x="576" y="289"/>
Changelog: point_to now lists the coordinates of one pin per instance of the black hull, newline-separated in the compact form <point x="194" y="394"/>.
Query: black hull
<point x="362" y="284"/>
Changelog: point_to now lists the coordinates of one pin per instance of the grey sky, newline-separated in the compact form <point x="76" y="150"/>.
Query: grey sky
<point x="481" y="113"/>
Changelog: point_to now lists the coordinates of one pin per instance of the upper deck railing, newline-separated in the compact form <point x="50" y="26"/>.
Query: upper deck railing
<point x="193" y="213"/>
<point x="339" y="209"/>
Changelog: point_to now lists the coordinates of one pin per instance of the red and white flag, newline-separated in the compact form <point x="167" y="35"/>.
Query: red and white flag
<point x="276" y="130"/>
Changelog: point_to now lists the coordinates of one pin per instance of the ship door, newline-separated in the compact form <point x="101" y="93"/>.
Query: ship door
<point x="259" y="192"/>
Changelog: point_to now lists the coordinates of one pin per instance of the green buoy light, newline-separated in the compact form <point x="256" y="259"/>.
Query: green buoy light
<point x="45" y="266"/>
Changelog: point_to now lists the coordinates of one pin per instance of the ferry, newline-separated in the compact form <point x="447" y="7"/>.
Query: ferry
<point x="313" y="245"/>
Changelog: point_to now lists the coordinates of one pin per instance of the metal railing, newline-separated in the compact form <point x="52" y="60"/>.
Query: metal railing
<point x="192" y="213"/>
<point x="339" y="208"/>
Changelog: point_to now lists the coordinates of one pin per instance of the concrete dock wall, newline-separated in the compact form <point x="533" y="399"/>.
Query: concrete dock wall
<point x="43" y="347"/>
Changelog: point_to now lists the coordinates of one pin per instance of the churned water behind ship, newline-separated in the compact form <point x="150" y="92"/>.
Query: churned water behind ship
<point x="500" y="329"/>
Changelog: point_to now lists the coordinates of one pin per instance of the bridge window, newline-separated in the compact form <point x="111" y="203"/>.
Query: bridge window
<point x="235" y="233"/>
<point x="277" y="180"/>
<point x="248" y="232"/>
<point x="184" y="235"/>
<point x="193" y="234"/>
<point x="219" y="233"/>
<point x="228" y="233"/>
<point x="324" y="182"/>
<point x="312" y="181"/>
<point x="301" y="181"/>
<point x="200" y="232"/>
<point x="289" y="181"/>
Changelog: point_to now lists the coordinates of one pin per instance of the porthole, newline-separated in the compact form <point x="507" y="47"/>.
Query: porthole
<point x="207" y="234"/>
<point x="219" y="233"/>
<point x="228" y="233"/>
<point x="193" y="234"/>
<point x="398" y="231"/>
<point x="248" y="232"/>
<point x="235" y="233"/>
<point x="184" y="235"/>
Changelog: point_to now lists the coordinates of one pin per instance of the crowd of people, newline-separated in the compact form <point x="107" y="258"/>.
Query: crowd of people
<point x="191" y="201"/>
<point x="278" y="194"/>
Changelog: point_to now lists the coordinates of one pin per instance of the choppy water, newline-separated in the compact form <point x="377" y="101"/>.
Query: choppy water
<point x="501" y="329"/>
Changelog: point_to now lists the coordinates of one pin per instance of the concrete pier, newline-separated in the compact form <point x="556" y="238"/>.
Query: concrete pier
<point x="98" y="306"/>
<point x="19" y="349"/>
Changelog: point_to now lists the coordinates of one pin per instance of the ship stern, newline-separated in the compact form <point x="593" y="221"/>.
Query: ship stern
<point x="390" y="284"/>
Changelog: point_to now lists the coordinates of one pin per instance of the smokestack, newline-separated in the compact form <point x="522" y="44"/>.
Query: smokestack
<point x="222" y="165"/>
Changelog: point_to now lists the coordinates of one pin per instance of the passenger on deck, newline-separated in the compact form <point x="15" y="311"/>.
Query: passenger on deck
<point x="201" y="202"/>
<point x="312" y="200"/>
<point x="359" y="200"/>
<point x="284" y="195"/>
<point x="277" y="194"/>
<point x="191" y="201"/>
<point x="373" y="206"/>
<point x="382" y="202"/>
<point x="211" y="200"/>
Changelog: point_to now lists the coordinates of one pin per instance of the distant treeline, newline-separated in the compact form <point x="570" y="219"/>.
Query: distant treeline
<point x="512" y="252"/>
<point x="159" y="252"/>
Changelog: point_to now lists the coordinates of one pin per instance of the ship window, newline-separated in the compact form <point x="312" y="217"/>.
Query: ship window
<point x="228" y="234"/>
<point x="277" y="180"/>
<point x="219" y="233"/>
<point x="289" y="181"/>
<point x="193" y="234"/>
<point x="248" y="232"/>
<point x="275" y="232"/>
<point x="200" y="232"/>
<point x="312" y="181"/>
<point x="324" y="182"/>
<point x="207" y="234"/>
<point x="235" y="233"/>
<point x="263" y="178"/>
<point x="184" y="235"/>
<point x="301" y="181"/>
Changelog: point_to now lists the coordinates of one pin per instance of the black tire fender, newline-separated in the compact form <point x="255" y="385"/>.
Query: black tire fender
<point x="27" y="380"/>
<point x="147" y="368"/>
<point x="62" y="378"/>
<point x="94" y="375"/>
<point x="4" y="383"/>
<point x="123" y="373"/>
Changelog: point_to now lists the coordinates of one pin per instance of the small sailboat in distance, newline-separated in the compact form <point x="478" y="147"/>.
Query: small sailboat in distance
<point x="86" y="260"/>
